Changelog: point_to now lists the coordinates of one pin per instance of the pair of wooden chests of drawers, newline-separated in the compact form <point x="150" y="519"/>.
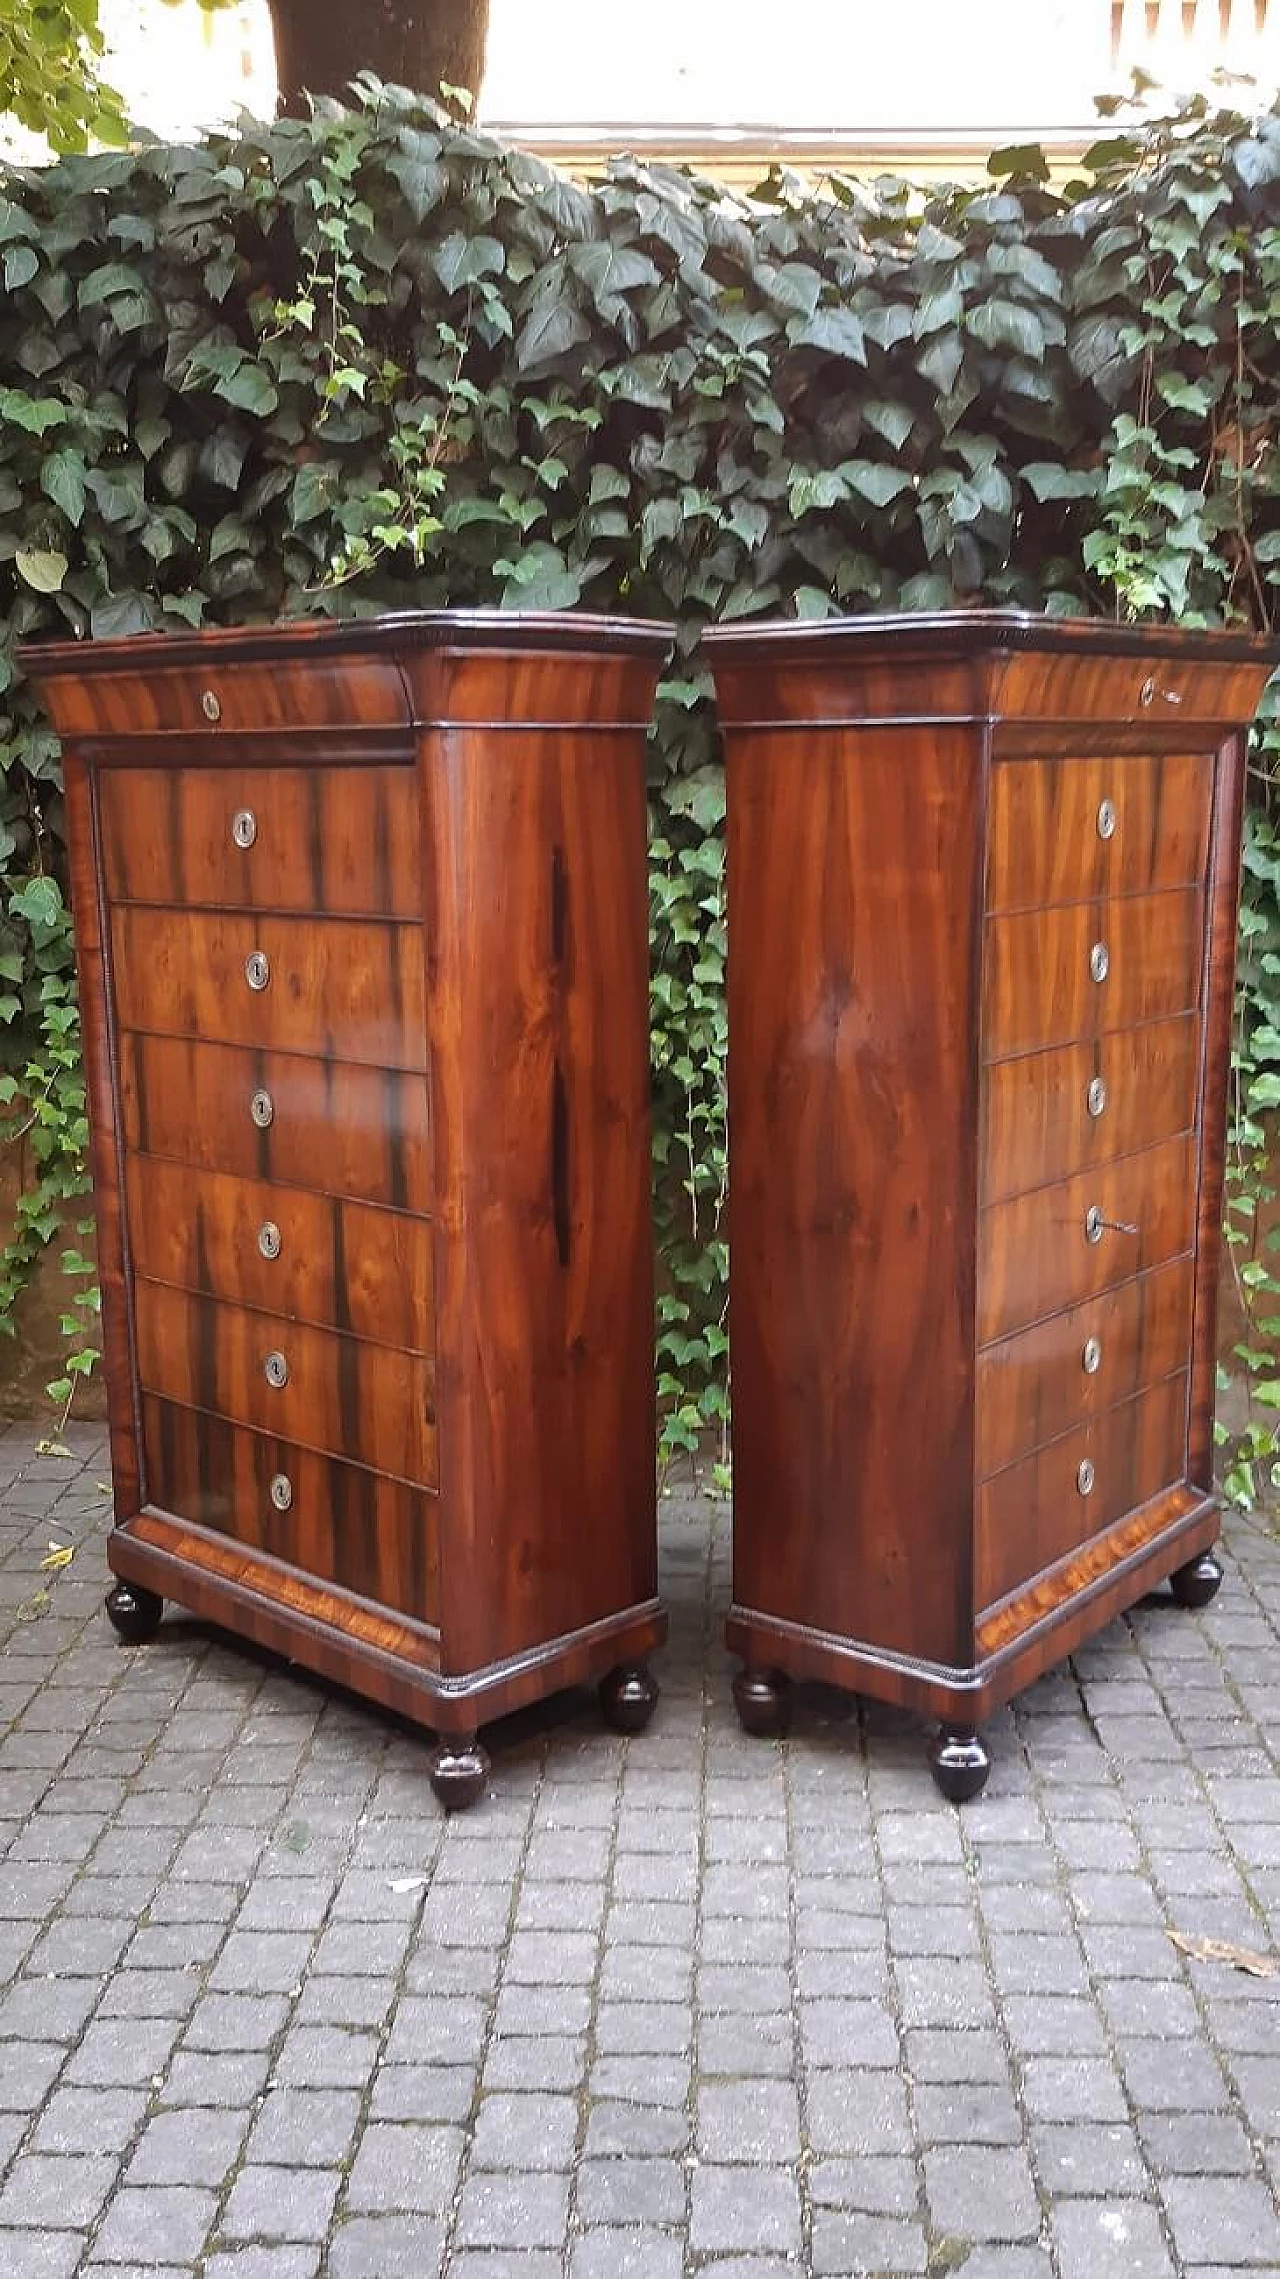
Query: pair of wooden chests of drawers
<point x="362" y="921"/>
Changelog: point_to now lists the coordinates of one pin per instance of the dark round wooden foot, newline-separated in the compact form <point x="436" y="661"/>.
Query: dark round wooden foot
<point x="762" y="1699"/>
<point x="960" y="1765"/>
<point x="1197" y="1582"/>
<point x="135" y="1613"/>
<point x="458" y="1768"/>
<point x="628" y="1697"/>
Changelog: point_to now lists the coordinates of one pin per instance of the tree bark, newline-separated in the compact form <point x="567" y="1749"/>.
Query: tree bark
<point x="322" y="44"/>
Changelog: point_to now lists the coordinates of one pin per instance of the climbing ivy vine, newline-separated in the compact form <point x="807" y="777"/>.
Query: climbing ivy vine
<point x="376" y="358"/>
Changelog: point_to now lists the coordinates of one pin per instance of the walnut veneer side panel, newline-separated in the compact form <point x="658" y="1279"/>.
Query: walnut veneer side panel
<point x="853" y="877"/>
<point x="535" y="877"/>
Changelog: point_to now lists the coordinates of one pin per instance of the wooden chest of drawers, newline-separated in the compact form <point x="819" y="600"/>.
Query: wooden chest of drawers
<point x="982" y="876"/>
<point x="362" y="923"/>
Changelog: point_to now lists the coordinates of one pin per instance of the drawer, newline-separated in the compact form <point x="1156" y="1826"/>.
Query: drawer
<point x="1038" y="1511"/>
<point x="306" y="1257"/>
<point x="1035" y="1256"/>
<point x="216" y="699"/>
<point x="376" y="1537"/>
<point x="341" y="1396"/>
<point x="330" y="839"/>
<point x="327" y="1124"/>
<point x="1047" y="1114"/>
<point x="1071" y="830"/>
<point x="1046" y="1380"/>
<point x="1051" y="976"/>
<point x="345" y="990"/>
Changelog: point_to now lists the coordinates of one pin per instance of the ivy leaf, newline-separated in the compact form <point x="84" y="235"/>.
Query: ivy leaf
<point x="553" y="329"/>
<point x="461" y="260"/>
<point x="43" y="570"/>
<point x="62" y="480"/>
<point x="836" y="331"/>
<point x="879" y="484"/>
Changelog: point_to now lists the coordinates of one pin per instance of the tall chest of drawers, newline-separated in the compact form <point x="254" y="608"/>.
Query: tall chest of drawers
<point x="362" y="926"/>
<point x="982" y="878"/>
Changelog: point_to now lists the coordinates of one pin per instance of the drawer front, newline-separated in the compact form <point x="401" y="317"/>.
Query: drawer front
<point x="1048" y="1114"/>
<point x="1053" y="976"/>
<point x="1047" y="1380"/>
<point x="340" y="1396"/>
<point x="1036" y="1512"/>
<point x="336" y="840"/>
<point x="1035" y="1256"/>
<point x="344" y="990"/>
<point x="1071" y="830"/>
<point x="217" y="699"/>
<point x="376" y="1537"/>
<point x="325" y="1124"/>
<point x="307" y="1257"/>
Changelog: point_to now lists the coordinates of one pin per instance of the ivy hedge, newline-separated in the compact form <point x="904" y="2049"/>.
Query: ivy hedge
<point x="376" y="358"/>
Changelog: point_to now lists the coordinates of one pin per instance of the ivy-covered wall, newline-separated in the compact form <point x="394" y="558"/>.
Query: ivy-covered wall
<point x="377" y="359"/>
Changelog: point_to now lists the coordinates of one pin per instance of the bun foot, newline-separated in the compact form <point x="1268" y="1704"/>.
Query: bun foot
<point x="458" y="1768"/>
<point x="135" y="1613"/>
<point x="960" y="1765"/>
<point x="628" y="1697"/>
<point x="762" y="1699"/>
<point x="1197" y="1582"/>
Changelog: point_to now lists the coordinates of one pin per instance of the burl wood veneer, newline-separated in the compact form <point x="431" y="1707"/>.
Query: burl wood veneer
<point x="362" y="924"/>
<point x="982" y="877"/>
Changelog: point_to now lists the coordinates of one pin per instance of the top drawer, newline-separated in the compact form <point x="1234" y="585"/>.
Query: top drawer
<point x="217" y="699"/>
<point x="1068" y="830"/>
<point x="337" y="840"/>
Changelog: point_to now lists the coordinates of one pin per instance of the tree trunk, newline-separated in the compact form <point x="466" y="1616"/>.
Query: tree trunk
<point x="322" y="44"/>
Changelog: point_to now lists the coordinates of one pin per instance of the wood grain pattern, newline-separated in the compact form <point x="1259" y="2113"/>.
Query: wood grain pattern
<point x="852" y="1116"/>
<point x="1038" y="985"/>
<point x="1038" y="723"/>
<point x="1034" y="1255"/>
<point x="343" y="989"/>
<point x="1044" y="844"/>
<point x="1035" y="1385"/>
<point x="537" y="1011"/>
<point x="362" y="1532"/>
<point x="339" y="1264"/>
<point x="1037" y="1123"/>
<point x="345" y="1398"/>
<point x="510" y="856"/>
<point x="360" y="1132"/>
<point x="342" y="841"/>
<point x="1033" y="1513"/>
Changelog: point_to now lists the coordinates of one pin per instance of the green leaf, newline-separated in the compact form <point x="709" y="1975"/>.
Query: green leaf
<point x="62" y="480"/>
<point x="836" y="331"/>
<point x="461" y="260"/>
<point x="879" y="484"/>
<point x="42" y="569"/>
<point x="552" y="330"/>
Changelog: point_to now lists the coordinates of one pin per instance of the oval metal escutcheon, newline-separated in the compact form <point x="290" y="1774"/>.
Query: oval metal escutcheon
<point x="281" y="1491"/>
<point x="1097" y="1095"/>
<point x="211" y="705"/>
<point x="262" y="1108"/>
<point x="276" y="1369"/>
<point x="1099" y="961"/>
<point x="257" y="969"/>
<point x="1107" y="819"/>
<point x="244" y="826"/>
<point x="1091" y="1357"/>
<point x="1086" y="1476"/>
<point x="269" y="1239"/>
<point x="1093" y="1224"/>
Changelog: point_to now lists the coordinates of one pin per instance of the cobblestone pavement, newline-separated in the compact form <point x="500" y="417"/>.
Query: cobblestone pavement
<point x="689" y="2003"/>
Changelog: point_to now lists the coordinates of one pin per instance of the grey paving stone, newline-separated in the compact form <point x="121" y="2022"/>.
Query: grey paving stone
<point x="40" y="2255"/>
<point x="1079" y="2157"/>
<point x="387" y="2247"/>
<point x="637" y="2189"/>
<point x="170" y="2223"/>
<point x="845" y="2245"/>
<point x="756" y="2121"/>
<point x="307" y="2128"/>
<point x="626" y="2252"/>
<point x="513" y="2211"/>
<point x="46" y="2191"/>
<point x="981" y="2192"/>
<point x="743" y="2210"/>
<point x="1109" y="2239"/>
<point x="280" y="2204"/>
<point x="1231" y="2219"/>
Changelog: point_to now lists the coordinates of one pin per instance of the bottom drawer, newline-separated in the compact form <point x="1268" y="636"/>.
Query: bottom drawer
<point x="340" y="1524"/>
<point x="1034" y="1513"/>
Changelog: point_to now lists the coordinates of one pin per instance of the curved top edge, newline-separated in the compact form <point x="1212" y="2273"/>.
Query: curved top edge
<point x="973" y="632"/>
<point x="397" y="632"/>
